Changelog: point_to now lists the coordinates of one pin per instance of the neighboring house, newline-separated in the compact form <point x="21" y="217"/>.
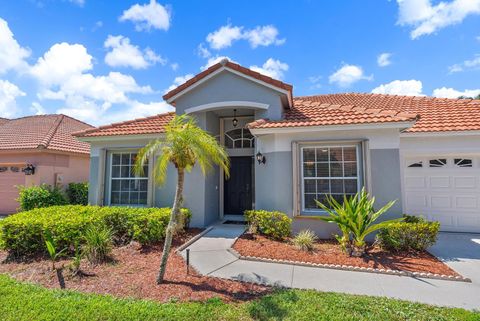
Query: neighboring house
<point x="46" y="145"/>
<point x="288" y="151"/>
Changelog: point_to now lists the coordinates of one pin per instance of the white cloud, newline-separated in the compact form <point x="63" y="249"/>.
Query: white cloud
<point x="347" y="75"/>
<point x="400" y="87"/>
<point x="263" y="36"/>
<point x="12" y="55"/>
<point x="383" y="59"/>
<point x="203" y="51"/>
<point x="63" y="73"/>
<point x="137" y="109"/>
<point x="79" y="3"/>
<point x="37" y="108"/>
<point x="445" y="92"/>
<point x="148" y="16"/>
<point x="124" y="54"/>
<point x="467" y="64"/>
<point x="259" y="36"/>
<point x="174" y="66"/>
<point x="426" y="18"/>
<point x="178" y="81"/>
<point x="60" y="62"/>
<point x="8" y="95"/>
<point x="315" y="82"/>
<point x="223" y="37"/>
<point x="272" y="68"/>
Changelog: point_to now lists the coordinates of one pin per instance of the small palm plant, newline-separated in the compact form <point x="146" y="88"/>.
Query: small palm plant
<point x="356" y="218"/>
<point x="52" y="248"/>
<point x="184" y="145"/>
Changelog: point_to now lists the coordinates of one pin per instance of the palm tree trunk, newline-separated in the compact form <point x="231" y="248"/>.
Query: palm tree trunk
<point x="171" y="224"/>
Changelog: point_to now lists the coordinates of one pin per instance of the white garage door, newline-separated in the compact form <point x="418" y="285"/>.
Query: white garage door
<point x="444" y="189"/>
<point x="10" y="177"/>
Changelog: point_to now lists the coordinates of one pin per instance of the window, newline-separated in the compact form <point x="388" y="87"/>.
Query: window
<point x="416" y="164"/>
<point x="239" y="138"/>
<point x="463" y="162"/>
<point x="329" y="171"/>
<point x="126" y="187"/>
<point x="439" y="162"/>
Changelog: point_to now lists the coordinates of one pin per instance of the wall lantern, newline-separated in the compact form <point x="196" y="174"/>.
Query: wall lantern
<point x="29" y="169"/>
<point x="260" y="158"/>
<point x="235" y="120"/>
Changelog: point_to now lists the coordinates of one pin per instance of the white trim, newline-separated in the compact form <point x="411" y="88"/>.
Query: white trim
<point x="222" y="174"/>
<point x="120" y="137"/>
<point x="442" y="134"/>
<point x="302" y="129"/>
<point x="219" y="70"/>
<point x="224" y="104"/>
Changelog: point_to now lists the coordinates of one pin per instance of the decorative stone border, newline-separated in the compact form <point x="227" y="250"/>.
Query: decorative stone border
<point x="193" y="239"/>
<point x="353" y="268"/>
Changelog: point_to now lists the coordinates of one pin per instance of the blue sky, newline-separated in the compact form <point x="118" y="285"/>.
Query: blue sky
<point x="107" y="61"/>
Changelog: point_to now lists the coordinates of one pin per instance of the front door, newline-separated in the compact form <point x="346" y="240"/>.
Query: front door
<point x="238" y="188"/>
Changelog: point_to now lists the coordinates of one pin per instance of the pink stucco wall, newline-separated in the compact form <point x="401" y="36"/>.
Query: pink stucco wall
<point x="72" y="168"/>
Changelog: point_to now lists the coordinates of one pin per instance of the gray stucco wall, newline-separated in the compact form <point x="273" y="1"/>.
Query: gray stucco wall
<point x="386" y="179"/>
<point x="229" y="87"/>
<point x="274" y="187"/>
<point x="93" y="181"/>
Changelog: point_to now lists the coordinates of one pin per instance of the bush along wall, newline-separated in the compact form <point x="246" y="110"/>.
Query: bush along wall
<point x="40" y="196"/>
<point x="23" y="234"/>
<point x="77" y="193"/>
<point x="413" y="234"/>
<point x="276" y="225"/>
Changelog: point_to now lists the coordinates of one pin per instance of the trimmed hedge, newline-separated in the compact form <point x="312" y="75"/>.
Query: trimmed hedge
<point x="276" y="225"/>
<point x="23" y="233"/>
<point x="40" y="196"/>
<point x="77" y="193"/>
<point x="414" y="233"/>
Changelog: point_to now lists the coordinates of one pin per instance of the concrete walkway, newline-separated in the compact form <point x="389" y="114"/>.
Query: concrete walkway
<point x="209" y="256"/>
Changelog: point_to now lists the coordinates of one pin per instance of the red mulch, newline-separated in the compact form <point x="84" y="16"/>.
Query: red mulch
<point x="329" y="252"/>
<point x="132" y="273"/>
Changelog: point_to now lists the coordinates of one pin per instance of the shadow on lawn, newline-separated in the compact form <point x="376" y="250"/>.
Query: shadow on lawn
<point x="273" y="306"/>
<point x="228" y="293"/>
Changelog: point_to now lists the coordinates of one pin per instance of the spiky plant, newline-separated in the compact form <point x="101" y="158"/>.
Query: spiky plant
<point x="184" y="145"/>
<point x="356" y="218"/>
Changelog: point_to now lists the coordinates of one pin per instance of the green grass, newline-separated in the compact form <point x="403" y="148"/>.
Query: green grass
<point x="21" y="301"/>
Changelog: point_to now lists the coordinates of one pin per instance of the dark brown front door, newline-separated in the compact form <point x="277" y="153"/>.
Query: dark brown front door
<point x="238" y="188"/>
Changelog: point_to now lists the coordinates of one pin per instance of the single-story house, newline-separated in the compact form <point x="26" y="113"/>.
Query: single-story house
<point x="287" y="151"/>
<point x="40" y="149"/>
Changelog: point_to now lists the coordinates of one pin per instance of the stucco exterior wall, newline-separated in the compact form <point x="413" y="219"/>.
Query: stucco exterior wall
<point x="274" y="180"/>
<point x="229" y="87"/>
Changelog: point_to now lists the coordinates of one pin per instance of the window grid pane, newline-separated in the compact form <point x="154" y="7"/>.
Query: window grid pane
<point x="329" y="171"/>
<point x="126" y="187"/>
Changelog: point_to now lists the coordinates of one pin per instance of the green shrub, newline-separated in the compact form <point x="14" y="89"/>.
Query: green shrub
<point x="415" y="233"/>
<point x="77" y="193"/>
<point x="22" y="233"/>
<point x="98" y="243"/>
<point x="40" y="196"/>
<point x="274" y="224"/>
<point x="305" y="240"/>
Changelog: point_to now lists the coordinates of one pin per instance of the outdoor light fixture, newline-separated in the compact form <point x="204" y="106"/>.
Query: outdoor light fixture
<point x="260" y="158"/>
<point x="29" y="169"/>
<point x="235" y="120"/>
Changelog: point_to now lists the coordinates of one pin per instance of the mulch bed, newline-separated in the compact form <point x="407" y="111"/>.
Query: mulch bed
<point x="132" y="273"/>
<point x="329" y="252"/>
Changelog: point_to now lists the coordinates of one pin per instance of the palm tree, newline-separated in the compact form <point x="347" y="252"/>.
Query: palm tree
<point x="184" y="145"/>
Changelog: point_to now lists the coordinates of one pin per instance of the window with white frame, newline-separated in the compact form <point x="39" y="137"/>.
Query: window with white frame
<point x="239" y="138"/>
<point x="329" y="170"/>
<point x="127" y="188"/>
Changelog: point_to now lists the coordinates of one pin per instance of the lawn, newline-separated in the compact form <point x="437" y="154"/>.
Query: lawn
<point x="21" y="301"/>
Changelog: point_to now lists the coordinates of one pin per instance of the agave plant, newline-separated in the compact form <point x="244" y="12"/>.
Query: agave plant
<point x="356" y="218"/>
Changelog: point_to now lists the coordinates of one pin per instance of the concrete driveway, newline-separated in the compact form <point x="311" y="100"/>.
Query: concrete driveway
<point x="461" y="252"/>
<point x="210" y="256"/>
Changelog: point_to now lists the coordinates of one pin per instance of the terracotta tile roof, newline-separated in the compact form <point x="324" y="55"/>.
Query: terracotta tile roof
<point x="148" y="125"/>
<point x="52" y="132"/>
<point x="308" y="112"/>
<point x="435" y="114"/>
<point x="234" y="66"/>
<point x="3" y="120"/>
